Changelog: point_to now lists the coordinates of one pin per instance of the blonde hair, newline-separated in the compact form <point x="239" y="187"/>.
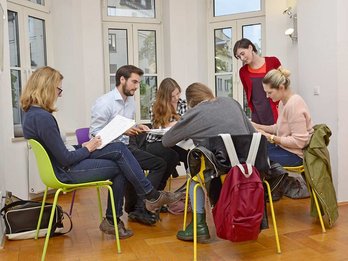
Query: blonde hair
<point x="163" y="110"/>
<point x="277" y="77"/>
<point x="198" y="92"/>
<point x="41" y="89"/>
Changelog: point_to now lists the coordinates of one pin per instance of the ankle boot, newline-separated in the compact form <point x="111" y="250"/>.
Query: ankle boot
<point x="202" y="230"/>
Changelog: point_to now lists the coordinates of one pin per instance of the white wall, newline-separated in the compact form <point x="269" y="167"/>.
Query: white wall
<point x="185" y="44"/>
<point x="342" y="99"/>
<point x="78" y="54"/>
<point x="319" y="67"/>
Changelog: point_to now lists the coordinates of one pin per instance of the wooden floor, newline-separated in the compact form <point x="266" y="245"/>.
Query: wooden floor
<point x="300" y="236"/>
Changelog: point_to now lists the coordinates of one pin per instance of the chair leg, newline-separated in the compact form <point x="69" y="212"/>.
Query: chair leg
<point x="186" y="202"/>
<point x="273" y="216"/>
<point x="318" y="210"/>
<point x="41" y="213"/>
<point x="72" y="203"/>
<point x="111" y="194"/>
<point x="195" y="221"/>
<point x="50" y="224"/>
<point x="100" y="205"/>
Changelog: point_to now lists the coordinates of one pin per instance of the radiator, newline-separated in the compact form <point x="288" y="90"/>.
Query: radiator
<point x="35" y="184"/>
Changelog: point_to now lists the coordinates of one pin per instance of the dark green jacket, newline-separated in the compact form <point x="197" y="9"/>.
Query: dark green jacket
<point x="318" y="174"/>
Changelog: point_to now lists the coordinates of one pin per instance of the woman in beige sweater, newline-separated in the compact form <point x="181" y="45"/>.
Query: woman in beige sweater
<point x="293" y="129"/>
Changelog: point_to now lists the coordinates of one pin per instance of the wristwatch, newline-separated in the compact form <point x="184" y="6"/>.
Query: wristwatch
<point x="271" y="139"/>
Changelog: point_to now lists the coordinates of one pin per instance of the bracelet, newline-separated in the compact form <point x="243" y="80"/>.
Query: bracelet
<point x="271" y="139"/>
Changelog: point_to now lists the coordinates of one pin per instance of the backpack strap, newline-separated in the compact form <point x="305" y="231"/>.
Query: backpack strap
<point x="254" y="147"/>
<point x="231" y="151"/>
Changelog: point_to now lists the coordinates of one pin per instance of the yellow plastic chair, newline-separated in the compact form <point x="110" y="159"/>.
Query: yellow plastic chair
<point x="199" y="178"/>
<point x="299" y="170"/>
<point x="49" y="179"/>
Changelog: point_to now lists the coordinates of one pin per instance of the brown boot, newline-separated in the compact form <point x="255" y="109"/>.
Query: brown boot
<point x="164" y="198"/>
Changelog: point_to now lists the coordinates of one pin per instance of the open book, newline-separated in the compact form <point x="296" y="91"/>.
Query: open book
<point x="114" y="129"/>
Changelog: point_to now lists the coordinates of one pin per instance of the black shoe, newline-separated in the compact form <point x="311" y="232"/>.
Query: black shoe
<point x="142" y="216"/>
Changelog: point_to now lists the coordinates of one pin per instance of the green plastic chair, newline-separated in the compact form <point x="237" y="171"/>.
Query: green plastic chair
<point x="49" y="179"/>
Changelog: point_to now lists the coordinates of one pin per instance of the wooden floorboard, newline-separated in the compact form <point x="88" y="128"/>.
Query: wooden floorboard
<point x="300" y="236"/>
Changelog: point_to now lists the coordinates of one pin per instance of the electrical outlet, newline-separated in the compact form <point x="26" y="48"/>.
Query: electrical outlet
<point x="316" y="90"/>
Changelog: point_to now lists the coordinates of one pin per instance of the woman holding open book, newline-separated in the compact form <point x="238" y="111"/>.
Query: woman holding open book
<point x="164" y="113"/>
<point x="85" y="163"/>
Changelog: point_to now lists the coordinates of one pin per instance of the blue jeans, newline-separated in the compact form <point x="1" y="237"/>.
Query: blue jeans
<point x="116" y="163"/>
<point x="200" y="198"/>
<point x="282" y="156"/>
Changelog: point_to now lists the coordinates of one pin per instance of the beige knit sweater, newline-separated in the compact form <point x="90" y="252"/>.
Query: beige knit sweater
<point x="294" y="125"/>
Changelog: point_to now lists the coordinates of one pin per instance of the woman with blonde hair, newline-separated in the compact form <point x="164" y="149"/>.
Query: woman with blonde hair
<point x="85" y="163"/>
<point x="207" y="117"/>
<point x="164" y="113"/>
<point x="294" y="127"/>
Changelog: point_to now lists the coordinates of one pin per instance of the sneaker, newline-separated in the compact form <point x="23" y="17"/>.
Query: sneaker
<point x="142" y="216"/>
<point x="108" y="228"/>
<point x="164" y="198"/>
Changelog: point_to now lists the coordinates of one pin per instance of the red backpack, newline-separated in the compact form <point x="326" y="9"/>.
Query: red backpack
<point x="240" y="208"/>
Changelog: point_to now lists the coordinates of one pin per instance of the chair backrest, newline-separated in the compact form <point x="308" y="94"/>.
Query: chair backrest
<point x="44" y="165"/>
<point x="82" y="135"/>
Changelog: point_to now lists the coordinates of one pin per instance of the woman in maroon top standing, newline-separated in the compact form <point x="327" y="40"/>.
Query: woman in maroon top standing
<point x="264" y="110"/>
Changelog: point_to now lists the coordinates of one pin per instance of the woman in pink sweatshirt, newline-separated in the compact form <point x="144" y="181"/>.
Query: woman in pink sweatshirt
<point x="293" y="129"/>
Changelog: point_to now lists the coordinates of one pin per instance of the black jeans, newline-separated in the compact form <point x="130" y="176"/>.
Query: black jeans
<point x="156" y="167"/>
<point x="172" y="157"/>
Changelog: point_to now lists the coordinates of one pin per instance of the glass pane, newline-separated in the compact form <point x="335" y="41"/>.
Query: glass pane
<point x="148" y="88"/>
<point x="13" y="39"/>
<point x="147" y="51"/>
<point x="16" y="90"/>
<point x="118" y="50"/>
<point x="37" y="42"/>
<point x="223" y="85"/>
<point x="39" y="2"/>
<point x="112" y="81"/>
<point x="132" y="8"/>
<point x="223" y="50"/>
<point x="253" y="33"/>
<point x="245" y="106"/>
<point x="229" y="7"/>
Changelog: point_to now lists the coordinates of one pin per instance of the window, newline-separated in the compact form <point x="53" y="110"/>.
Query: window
<point x="131" y="8"/>
<point x="230" y="7"/>
<point x="131" y="41"/>
<point x="240" y="19"/>
<point x="28" y="51"/>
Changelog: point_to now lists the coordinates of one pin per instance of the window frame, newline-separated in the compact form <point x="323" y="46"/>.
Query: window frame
<point x="236" y="22"/>
<point x="24" y="68"/>
<point x="132" y="46"/>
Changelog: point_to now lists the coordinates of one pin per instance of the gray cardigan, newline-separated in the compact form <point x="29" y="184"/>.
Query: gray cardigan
<point x="207" y="119"/>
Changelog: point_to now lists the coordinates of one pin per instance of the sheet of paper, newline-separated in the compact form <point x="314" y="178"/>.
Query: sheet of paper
<point x="186" y="144"/>
<point x="114" y="129"/>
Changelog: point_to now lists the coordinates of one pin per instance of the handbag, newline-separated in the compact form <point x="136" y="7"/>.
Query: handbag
<point x="21" y="218"/>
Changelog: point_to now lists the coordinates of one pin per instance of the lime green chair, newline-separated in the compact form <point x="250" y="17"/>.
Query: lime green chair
<point x="49" y="179"/>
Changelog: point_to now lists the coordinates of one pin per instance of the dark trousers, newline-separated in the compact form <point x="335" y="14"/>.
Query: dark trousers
<point x="172" y="156"/>
<point x="156" y="168"/>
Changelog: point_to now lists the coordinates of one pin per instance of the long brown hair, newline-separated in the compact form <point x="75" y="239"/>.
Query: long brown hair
<point x="196" y="93"/>
<point x="163" y="110"/>
<point x="41" y="89"/>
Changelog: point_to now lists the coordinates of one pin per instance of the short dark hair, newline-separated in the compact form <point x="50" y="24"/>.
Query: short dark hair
<point x="126" y="72"/>
<point x="243" y="43"/>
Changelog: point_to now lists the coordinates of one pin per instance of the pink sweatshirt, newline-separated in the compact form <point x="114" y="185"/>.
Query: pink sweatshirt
<point x="294" y="125"/>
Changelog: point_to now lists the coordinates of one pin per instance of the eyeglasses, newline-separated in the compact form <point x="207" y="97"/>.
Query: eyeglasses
<point x="60" y="90"/>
